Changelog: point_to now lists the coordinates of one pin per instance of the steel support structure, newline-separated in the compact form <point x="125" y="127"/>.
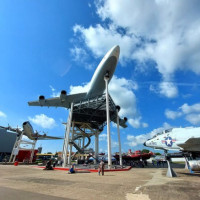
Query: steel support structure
<point x="16" y="148"/>
<point x="96" y="147"/>
<point x="32" y="151"/>
<point x="66" y="139"/>
<point x="119" y="140"/>
<point x="70" y="146"/>
<point x="170" y="172"/>
<point x="186" y="163"/>
<point x="19" y="141"/>
<point x="106" y="78"/>
<point x="90" y="116"/>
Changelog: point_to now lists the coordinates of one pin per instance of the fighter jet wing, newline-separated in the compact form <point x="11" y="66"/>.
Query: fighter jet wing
<point x="190" y="143"/>
<point x="62" y="101"/>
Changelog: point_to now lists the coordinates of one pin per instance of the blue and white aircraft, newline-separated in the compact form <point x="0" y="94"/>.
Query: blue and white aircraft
<point x="180" y="139"/>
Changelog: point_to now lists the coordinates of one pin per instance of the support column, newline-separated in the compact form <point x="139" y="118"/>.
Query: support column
<point x="186" y="163"/>
<point x="16" y="148"/>
<point x="83" y="144"/>
<point x="106" y="78"/>
<point x="96" y="147"/>
<point x="118" y="131"/>
<point x="70" y="146"/>
<point x="66" y="139"/>
<point x="170" y="172"/>
<point x="33" y="151"/>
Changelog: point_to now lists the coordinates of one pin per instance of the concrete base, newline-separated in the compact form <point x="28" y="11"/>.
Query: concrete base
<point x="90" y="169"/>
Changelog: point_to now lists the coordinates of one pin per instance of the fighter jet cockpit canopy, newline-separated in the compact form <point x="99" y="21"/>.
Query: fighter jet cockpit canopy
<point x="164" y="131"/>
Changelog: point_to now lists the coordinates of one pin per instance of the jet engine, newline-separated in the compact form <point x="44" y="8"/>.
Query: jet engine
<point x="118" y="108"/>
<point x="63" y="95"/>
<point x="41" y="100"/>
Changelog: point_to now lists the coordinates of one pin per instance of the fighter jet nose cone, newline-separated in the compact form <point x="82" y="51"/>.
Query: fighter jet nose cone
<point x="24" y="123"/>
<point x="145" y="144"/>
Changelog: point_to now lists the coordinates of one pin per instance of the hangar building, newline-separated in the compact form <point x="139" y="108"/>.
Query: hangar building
<point x="7" y="140"/>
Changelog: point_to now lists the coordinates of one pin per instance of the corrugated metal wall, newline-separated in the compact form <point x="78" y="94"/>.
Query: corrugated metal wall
<point x="7" y="140"/>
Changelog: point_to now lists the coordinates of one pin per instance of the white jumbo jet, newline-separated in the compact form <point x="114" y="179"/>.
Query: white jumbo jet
<point x="97" y="85"/>
<point x="29" y="132"/>
<point x="182" y="139"/>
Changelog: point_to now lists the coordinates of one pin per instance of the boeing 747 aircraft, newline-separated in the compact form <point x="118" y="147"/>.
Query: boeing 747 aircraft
<point x="29" y="132"/>
<point x="182" y="139"/>
<point x="97" y="85"/>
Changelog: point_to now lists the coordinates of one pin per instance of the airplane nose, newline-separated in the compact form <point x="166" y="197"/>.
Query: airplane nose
<point x="145" y="144"/>
<point x="117" y="48"/>
<point x="24" y="123"/>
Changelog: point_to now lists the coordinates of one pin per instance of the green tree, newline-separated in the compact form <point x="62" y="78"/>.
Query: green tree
<point x="145" y="151"/>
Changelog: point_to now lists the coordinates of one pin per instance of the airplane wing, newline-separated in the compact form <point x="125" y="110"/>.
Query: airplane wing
<point x="17" y="130"/>
<point x="43" y="137"/>
<point x="62" y="101"/>
<point x="192" y="143"/>
<point x="122" y="122"/>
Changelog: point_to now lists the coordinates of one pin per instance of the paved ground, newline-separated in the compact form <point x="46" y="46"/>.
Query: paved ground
<point x="27" y="183"/>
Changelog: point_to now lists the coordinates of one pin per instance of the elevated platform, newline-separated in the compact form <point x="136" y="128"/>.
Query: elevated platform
<point x="93" y="112"/>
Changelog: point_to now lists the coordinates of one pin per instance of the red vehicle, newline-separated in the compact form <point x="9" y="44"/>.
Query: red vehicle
<point x="134" y="156"/>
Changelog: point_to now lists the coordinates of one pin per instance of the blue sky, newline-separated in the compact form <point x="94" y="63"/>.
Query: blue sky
<point x="46" y="47"/>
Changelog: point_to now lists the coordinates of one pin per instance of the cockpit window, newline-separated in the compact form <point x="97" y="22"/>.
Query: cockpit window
<point x="168" y="130"/>
<point x="165" y="131"/>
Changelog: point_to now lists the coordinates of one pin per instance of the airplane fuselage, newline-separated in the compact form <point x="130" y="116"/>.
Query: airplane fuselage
<point x="174" y="138"/>
<point x="107" y="64"/>
<point x="28" y="130"/>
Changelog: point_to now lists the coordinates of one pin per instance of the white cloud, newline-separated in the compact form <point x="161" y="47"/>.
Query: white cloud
<point x="145" y="125"/>
<point x="172" y="114"/>
<point x="170" y="37"/>
<point x="2" y="115"/>
<point x="78" y="53"/>
<point x="119" y="89"/>
<point x="54" y="93"/>
<point x="140" y="139"/>
<point x="114" y="144"/>
<point x="43" y="121"/>
<point x="103" y="137"/>
<point x="106" y="39"/>
<point x="193" y="118"/>
<point x="79" y="89"/>
<point x="186" y="109"/>
<point x="168" y="89"/>
<point x="191" y="113"/>
<point x="134" y="122"/>
<point x="174" y="27"/>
